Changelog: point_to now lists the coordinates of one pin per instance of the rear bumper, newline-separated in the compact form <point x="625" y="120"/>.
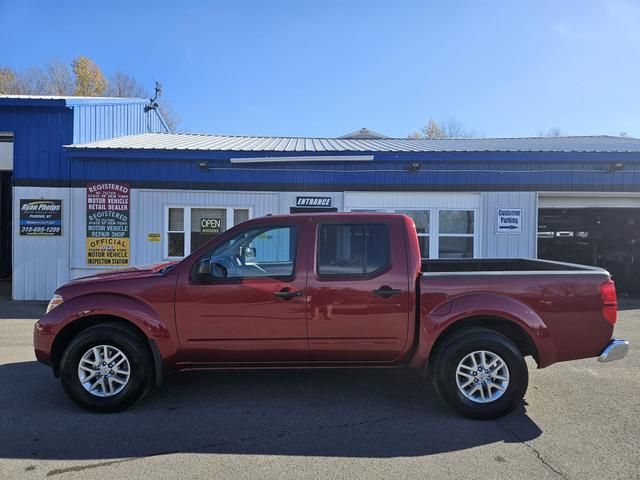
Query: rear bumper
<point x="616" y="350"/>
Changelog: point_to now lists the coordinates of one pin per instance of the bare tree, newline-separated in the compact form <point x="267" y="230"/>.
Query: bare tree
<point x="60" y="80"/>
<point x="171" y="118"/>
<point x="552" y="132"/>
<point x="445" y="128"/>
<point x="82" y="78"/>
<point x="55" y="79"/>
<point x="124" y="85"/>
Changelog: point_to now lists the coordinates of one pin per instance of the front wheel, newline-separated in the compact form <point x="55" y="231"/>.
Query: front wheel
<point x="480" y="374"/>
<point x="106" y="368"/>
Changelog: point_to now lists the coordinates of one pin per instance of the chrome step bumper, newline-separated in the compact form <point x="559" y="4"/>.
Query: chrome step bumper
<point x="616" y="350"/>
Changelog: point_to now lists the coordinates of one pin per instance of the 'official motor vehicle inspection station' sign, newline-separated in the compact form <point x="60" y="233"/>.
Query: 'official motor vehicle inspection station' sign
<point x="108" y="224"/>
<point x="41" y="217"/>
<point x="509" y="220"/>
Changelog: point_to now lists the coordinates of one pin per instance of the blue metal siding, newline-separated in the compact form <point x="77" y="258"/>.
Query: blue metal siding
<point x="42" y="127"/>
<point x="39" y="133"/>
<point x="548" y="173"/>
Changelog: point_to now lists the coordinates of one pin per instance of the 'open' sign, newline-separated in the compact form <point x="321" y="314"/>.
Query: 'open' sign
<point x="210" y="225"/>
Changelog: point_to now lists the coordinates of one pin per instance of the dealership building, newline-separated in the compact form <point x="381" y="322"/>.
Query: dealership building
<point x="91" y="184"/>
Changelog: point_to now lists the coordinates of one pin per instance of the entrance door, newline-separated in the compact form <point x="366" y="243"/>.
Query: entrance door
<point x="358" y="291"/>
<point x="254" y="309"/>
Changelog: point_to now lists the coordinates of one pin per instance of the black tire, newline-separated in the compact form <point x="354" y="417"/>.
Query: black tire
<point x="457" y="347"/>
<point x="137" y="353"/>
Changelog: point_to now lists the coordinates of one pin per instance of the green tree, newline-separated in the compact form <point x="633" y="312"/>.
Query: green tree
<point x="90" y="81"/>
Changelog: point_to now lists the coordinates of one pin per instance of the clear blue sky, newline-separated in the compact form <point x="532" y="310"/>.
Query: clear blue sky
<point x="325" y="68"/>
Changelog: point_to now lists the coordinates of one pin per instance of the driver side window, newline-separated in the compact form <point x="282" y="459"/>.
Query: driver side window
<point x="258" y="252"/>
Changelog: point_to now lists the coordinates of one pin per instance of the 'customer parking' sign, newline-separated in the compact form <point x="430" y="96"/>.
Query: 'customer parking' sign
<point x="509" y="220"/>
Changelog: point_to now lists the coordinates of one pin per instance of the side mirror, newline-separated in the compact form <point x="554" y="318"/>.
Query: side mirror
<point x="203" y="270"/>
<point x="249" y="254"/>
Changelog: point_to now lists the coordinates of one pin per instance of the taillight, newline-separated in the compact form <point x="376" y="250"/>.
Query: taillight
<point x="609" y="301"/>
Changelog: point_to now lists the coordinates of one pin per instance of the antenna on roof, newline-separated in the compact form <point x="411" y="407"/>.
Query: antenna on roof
<point x="152" y="101"/>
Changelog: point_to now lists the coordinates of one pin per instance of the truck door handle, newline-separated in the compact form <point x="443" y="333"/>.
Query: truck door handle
<point x="287" y="294"/>
<point x="387" y="292"/>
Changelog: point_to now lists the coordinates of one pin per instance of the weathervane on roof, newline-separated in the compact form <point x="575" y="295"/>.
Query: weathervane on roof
<point x="152" y="101"/>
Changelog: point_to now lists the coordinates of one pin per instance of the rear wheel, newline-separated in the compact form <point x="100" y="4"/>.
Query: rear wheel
<point x="480" y="374"/>
<point x="106" y="368"/>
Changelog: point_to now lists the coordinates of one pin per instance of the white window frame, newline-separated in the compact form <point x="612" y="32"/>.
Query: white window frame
<point x="187" y="224"/>
<point x="434" y="225"/>
<point x="473" y="235"/>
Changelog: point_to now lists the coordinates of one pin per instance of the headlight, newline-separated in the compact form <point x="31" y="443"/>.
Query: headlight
<point x="55" y="301"/>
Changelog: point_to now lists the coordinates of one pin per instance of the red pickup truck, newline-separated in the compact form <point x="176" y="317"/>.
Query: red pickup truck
<point x="326" y="291"/>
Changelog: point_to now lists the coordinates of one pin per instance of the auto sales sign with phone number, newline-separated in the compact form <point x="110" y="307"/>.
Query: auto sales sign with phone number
<point x="108" y="224"/>
<point x="41" y="217"/>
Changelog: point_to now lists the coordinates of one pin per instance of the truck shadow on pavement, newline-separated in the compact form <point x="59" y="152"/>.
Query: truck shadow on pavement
<point x="342" y="413"/>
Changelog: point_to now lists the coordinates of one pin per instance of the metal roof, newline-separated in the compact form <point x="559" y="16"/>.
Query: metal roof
<point x="56" y="100"/>
<point x="228" y="143"/>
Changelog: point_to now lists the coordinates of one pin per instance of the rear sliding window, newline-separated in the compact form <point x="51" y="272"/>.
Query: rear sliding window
<point x="352" y="249"/>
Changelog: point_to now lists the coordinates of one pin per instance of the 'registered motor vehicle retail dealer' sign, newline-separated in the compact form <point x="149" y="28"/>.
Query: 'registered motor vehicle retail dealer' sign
<point x="108" y="224"/>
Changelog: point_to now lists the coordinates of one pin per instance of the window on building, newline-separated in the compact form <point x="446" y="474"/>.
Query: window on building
<point x="175" y="234"/>
<point x="421" y="218"/>
<point x="352" y="249"/>
<point x="455" y="233"/>
<point x="188" y="228"/>
<point x="206" y="223"/>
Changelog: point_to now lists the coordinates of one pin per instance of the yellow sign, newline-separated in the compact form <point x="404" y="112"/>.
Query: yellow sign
<point x="153" y="237"/>
<point x="112" y="252"/>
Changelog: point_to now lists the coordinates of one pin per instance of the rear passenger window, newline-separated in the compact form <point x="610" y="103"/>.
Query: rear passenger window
<point x="352" y="249"/>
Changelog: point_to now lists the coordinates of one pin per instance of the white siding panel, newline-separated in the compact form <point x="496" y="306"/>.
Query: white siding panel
<point x="404" y="200"/>
<point x="510" y="245"/>
<point x="147" y="215"/>
<point x="40" y="264"/>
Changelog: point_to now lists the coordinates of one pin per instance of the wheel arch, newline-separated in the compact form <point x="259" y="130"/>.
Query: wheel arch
<point x="510" y="329"/>
<point x="74" y="328"/>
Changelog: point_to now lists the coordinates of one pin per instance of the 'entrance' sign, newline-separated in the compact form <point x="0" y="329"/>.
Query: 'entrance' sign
<point x="313" y="201"/>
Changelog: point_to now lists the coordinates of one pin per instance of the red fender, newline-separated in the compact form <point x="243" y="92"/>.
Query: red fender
<point x="494" y="305"/>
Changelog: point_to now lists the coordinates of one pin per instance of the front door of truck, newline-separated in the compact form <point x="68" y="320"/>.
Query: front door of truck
<point x="358" y="289"/>
<point x="243" y="300"/>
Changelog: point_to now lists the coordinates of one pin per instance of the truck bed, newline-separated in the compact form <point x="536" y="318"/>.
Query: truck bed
<point x="503" y="266"/>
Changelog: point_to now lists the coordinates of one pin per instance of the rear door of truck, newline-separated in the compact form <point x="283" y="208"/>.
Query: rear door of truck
<point x="358" y="289"/>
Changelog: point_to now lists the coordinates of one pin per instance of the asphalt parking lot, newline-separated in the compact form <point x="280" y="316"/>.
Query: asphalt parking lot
<point x="581" y="420"/>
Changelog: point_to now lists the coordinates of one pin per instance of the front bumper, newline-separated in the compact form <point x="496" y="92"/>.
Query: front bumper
<point x="616" y="350"/>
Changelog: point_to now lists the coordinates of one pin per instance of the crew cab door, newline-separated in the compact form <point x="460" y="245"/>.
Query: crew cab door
<point x="252" y="308"/>
<point x="358" y="289"/>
